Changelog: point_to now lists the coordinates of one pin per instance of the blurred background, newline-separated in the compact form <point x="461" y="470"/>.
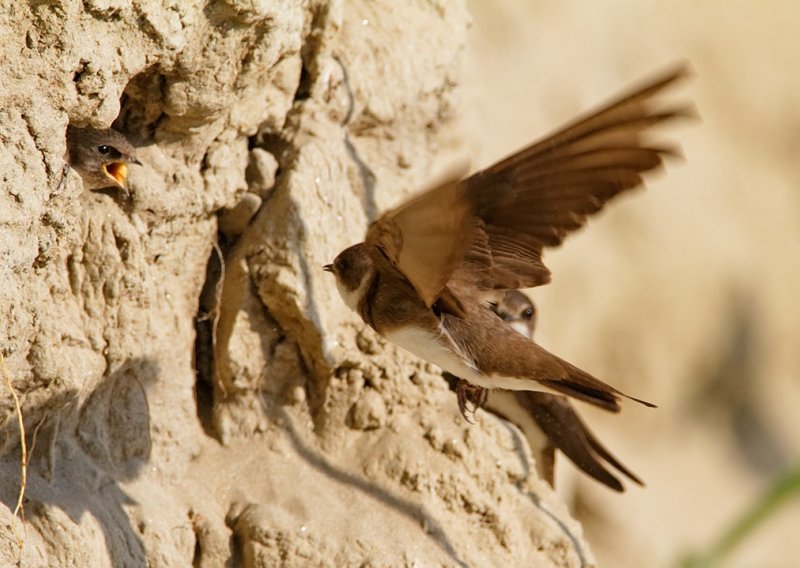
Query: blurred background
<point x="686" y="294"/>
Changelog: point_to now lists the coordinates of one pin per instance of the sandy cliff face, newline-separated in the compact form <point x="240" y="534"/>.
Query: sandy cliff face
<point x="196" y="390"/>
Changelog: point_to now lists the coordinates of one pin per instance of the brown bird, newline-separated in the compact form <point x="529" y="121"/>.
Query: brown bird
<point x="100" y="157"/>
<point x="425" y="274"/>
<point x="549" y="421"/>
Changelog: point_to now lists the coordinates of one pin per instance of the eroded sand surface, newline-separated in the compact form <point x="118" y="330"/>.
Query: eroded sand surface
<point x="293" y="436"/>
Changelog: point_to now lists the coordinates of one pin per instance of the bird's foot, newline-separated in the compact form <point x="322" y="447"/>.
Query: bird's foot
<point x="469" y="394"/>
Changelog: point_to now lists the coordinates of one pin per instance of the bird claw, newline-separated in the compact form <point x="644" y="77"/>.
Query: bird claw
<point x="466" y="394"/>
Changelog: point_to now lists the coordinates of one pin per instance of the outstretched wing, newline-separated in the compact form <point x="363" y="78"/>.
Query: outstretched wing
<point x="488" y="231"/>
<point x="536" y="197"/>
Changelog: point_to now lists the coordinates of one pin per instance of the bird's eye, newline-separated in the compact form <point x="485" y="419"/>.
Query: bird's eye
<point x="103" y="149"/>
<point x="528" y="314"/>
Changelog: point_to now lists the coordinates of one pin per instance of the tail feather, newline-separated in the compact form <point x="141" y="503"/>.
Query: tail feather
<point x="605" y="399"/>
<point x="557" y="418"/>
<point x="601" y="450"/>
<point x="568" y="379"/>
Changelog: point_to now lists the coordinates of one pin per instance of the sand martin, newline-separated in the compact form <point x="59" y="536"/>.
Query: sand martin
<point x="549" y="421"/>
<point x="427" y="270"/>
<point x="100" y="157"/>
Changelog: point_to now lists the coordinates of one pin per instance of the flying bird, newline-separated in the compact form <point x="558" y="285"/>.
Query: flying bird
<point x="549" y="421"/>
<point x="427" y="271"/>
<point x="100" y="157"/>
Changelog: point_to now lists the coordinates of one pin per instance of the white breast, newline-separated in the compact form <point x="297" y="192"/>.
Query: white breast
<point x="436" y="349"/>
<point x="352" y="297"/>
<point x="433" y="349"/>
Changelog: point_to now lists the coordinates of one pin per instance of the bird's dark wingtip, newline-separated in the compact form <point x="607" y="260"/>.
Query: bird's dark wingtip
<point x="642" y="402"/>
<point x="607" y="400"/>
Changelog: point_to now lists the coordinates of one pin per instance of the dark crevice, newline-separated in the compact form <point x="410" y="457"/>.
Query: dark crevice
<point x="237" y="556"/>
<point x="78" y="74"/>
<point x="204" y="398"/>
<point x="304" y="87"/>
<point x="312" y="44"/>
<point x="197" y="556"/>
<point x="204" y="340"/>
<point x="276" y="145"/>
<point x="141" y="106"/>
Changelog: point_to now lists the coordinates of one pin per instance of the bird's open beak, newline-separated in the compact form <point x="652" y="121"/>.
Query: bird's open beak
<point x="328" y="268"/>
<point x="117" y="172"/>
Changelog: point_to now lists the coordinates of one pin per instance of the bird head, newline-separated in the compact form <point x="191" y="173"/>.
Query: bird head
<point x="101" y="157"/>
<point x="518" y="310"/>
<point x="352" y="269"/>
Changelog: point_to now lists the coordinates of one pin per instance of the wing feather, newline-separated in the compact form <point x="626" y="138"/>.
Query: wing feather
<point x="538" y="196"/>
<point x="489" y="231"/>
<point x="427" y="237"/>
